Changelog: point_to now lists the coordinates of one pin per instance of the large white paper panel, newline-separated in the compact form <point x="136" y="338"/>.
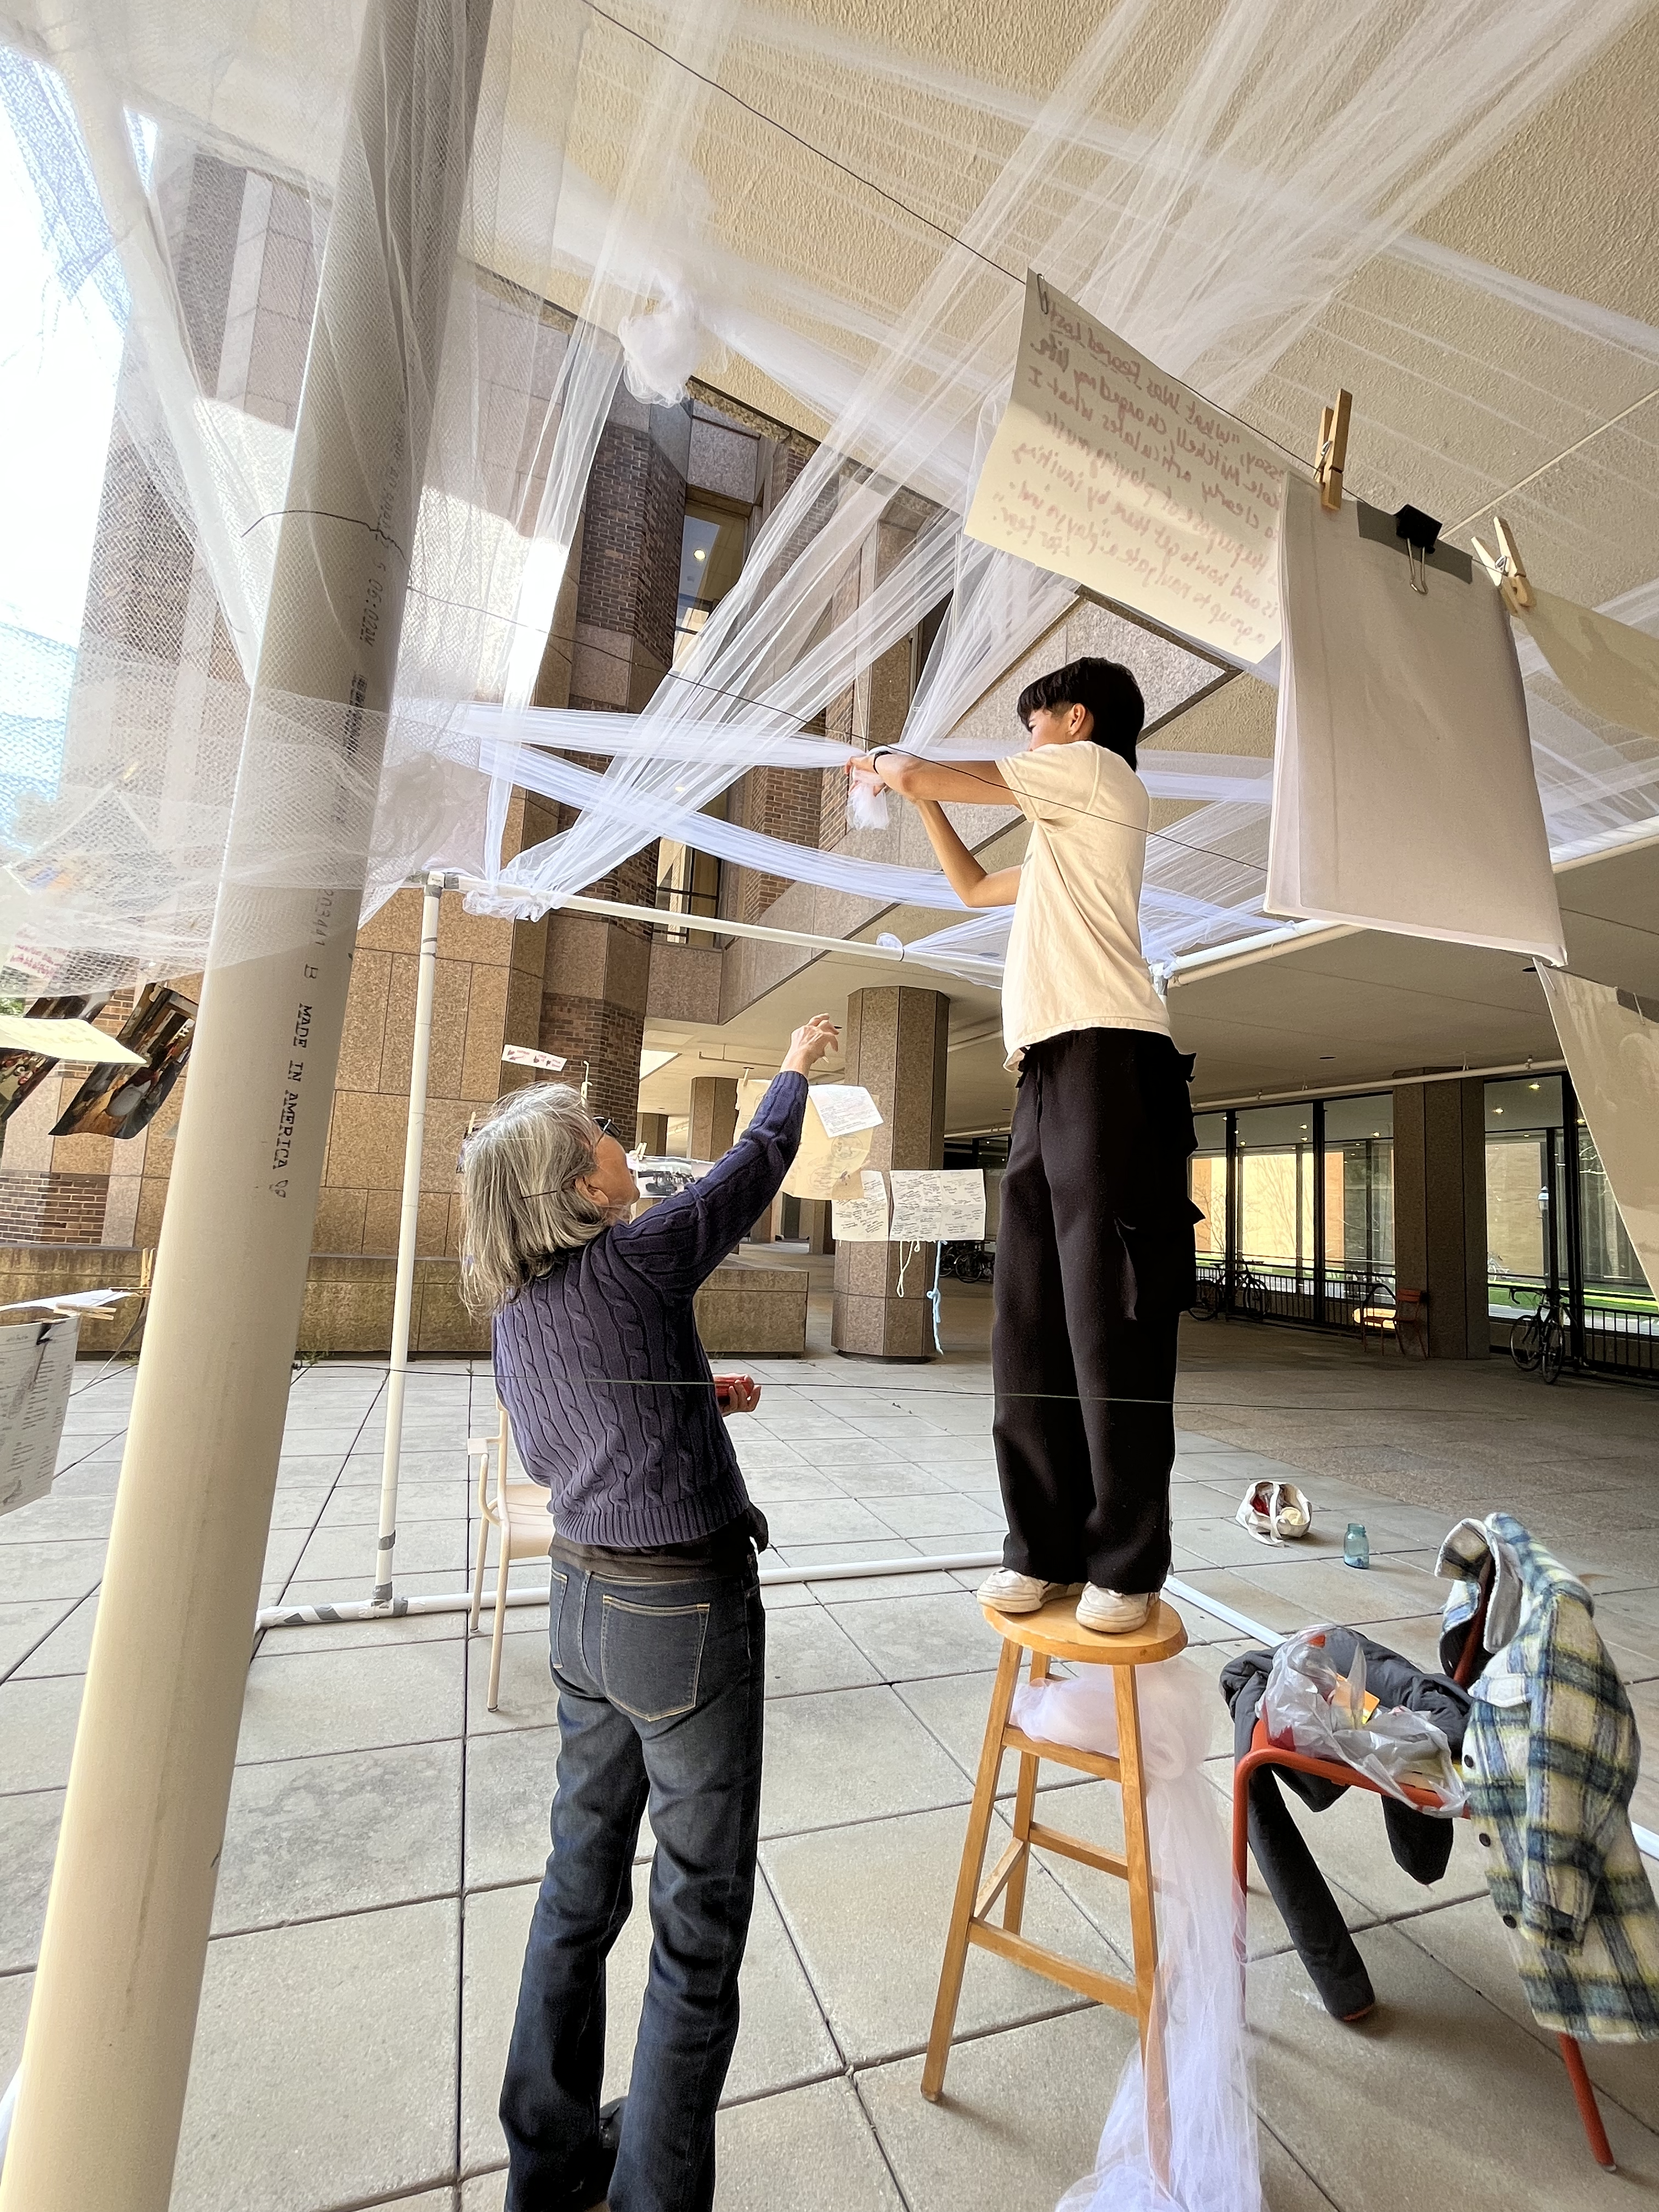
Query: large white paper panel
<point x="1611" y="1042"/>
<point x="1107" y="471"/>
<point x="37" y="1361"/>
<point x="861" y="1220"/>
<point x="1404" y="795"/>
<point x="840" y="1120"/>
<point x="1607" y="666"/>
<point x="939" y="1206"/>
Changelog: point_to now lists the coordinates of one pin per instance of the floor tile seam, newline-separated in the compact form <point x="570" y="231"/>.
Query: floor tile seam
<point x="816" y="2080"/>
<point x="353" y="1750"/>
<point x="450" y="2181"/>
<point x="882" y="2151"/>
<point x="1061" y="2009"/>
<point x="73" y="1606"/>
<point x="343" y="1912"/>
<point x="14" y="1540"/>
<point x="1264" y="2126"/>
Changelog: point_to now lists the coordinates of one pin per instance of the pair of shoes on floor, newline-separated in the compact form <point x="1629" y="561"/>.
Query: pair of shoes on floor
<point x="1108" y="1612"/>
<point x="591" y="2196"/>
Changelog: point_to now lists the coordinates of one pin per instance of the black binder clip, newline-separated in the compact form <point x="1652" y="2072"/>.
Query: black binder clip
<point x="1422" y="534"/>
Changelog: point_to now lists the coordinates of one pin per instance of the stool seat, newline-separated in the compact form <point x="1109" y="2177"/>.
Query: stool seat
<point x="1049" y="1634"/>
<point x="1053" y="1631"/>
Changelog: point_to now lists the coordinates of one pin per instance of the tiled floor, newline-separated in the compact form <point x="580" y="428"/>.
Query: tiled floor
<point x="386" y="1833"/>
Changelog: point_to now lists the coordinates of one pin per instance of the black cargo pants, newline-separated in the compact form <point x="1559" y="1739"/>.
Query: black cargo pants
<point x="1094" y="1265"/>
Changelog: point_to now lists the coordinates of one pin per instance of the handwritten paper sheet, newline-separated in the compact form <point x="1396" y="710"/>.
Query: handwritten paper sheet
<point x="1109" y="471"/>
<point x="861" y="1219"/>
<point x="841" y="1118"/>
<point x="939" y="1206"/>
<point x="37" y="1362"/>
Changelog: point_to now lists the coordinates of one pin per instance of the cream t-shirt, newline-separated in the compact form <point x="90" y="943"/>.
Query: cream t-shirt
<point x="1074" y="958"/>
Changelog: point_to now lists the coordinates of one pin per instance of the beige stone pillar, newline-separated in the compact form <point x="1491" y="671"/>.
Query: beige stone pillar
<point x="1440" y="1211"/>
<point x="896" y="1043"/>
<point x="653" y="1135"/>
<point x="714" y="1116"/>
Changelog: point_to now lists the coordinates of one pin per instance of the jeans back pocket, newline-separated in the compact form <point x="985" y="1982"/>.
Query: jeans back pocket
<point x="651" y="1657"/>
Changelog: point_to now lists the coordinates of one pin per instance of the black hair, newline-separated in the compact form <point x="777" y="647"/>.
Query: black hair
<point x="1109" y="691"/>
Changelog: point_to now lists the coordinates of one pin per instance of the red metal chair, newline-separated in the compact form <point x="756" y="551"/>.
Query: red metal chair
<point x="1263" y="1752"/>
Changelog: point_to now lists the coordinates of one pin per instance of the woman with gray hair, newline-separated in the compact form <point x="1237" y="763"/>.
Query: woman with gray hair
<point x="657" y="1631"/>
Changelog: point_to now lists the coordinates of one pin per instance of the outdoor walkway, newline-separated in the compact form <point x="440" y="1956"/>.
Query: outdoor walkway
<point x="387" y="1833"/>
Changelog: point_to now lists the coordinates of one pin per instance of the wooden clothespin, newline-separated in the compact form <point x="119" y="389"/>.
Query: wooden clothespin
<point x="1333" y="452"/>
<point x="1506" y="568"/>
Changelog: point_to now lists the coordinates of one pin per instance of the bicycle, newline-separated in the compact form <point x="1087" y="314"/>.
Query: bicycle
<point x="1245" y="1293"/>
<point x="1538" y="1344"/>
<point x="1206" y="1298"/>
<point x="969" y="1263"/>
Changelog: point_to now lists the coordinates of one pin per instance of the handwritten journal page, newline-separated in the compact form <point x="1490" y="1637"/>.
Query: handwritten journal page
<point x="1109" y="471"/>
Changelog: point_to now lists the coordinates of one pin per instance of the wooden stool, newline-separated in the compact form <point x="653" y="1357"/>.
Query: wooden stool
<point x="1053" y="1633"/>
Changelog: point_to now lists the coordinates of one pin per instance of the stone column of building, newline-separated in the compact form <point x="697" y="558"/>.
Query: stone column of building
<point x="1440" y="1211"/>
<point x="714" y="1116"/>
<point x="653" y="1135"/>
<point x="597" y="973"/>
<point x="896" y="1041"/>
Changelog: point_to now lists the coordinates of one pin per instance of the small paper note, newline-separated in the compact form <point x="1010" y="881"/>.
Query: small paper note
<point x="525" y="1055"/>
<point x="939" y="1206"/>
<point x="1105" y="470"/>
<point x="835" y="1142"/>
<point x="861" y="1220"/>
<point x="842" y="1109"/>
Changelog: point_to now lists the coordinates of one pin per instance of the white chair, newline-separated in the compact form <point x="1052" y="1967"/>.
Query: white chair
<point x="517" y="1512"/>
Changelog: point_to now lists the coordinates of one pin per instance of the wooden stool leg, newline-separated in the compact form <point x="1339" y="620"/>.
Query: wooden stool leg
<point x="1143" y="1919"/>
<point x="973" y="1858"/>
<point x="1013" y="1899"/>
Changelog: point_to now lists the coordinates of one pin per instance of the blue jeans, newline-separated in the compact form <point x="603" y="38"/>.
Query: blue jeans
<point x="661" y="1688"/>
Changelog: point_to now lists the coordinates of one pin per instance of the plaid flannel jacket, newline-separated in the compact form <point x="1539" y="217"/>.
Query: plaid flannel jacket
<point x="1550" y="1758"/>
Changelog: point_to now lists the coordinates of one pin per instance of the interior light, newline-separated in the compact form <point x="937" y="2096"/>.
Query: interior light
<point x="699" y="554"/>
<point x="1497" y="1110"/>
<point x="1532" y="1086"/>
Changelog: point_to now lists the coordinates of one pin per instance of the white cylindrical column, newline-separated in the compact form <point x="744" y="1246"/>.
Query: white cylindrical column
<point x="408" y="1225"/>
<point x="107" y="2054"/>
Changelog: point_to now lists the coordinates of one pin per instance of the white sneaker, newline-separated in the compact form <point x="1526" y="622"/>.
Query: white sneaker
<point x="1113" y="1613"/>
<point x="1008" y="1592"/>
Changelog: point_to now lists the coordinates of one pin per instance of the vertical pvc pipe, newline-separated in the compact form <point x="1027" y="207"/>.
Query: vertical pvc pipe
<point x="107" y="2055"/>
<point x="408" y="1226"/>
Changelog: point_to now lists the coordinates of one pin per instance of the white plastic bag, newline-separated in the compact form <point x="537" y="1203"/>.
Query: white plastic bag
<point x="1311" y="1707"/>
<point x="867" y="802"/>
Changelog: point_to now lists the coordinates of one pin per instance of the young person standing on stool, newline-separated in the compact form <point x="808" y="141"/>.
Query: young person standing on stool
<point x="658" y="1635"/>
<point x="1095" y="1255"/>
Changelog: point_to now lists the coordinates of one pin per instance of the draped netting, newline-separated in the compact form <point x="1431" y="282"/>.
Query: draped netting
<point x="834" y="230"/>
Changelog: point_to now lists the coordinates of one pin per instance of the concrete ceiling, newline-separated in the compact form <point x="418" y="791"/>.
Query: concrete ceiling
<point x="1518" y="317"/>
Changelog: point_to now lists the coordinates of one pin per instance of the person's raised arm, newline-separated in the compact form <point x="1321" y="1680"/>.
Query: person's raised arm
<point x="682" y="1241"/>
<point x="972" y="782"/>
<point x="972" y="884"/>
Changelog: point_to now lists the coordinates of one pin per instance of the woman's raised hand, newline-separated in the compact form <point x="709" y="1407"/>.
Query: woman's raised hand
<point x="809" y="1043"/>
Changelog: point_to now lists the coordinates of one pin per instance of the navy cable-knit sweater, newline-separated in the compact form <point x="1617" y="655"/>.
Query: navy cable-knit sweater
<point x="600" y="1368"/>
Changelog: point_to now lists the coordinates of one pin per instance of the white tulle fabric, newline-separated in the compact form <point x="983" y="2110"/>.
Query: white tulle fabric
<point x="1214" y="2164"/>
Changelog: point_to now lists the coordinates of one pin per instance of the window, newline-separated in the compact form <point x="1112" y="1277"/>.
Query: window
<point x="1359" y="1185"/>
<point x="1208" y="1186"/>
<point x="713" y="543"/>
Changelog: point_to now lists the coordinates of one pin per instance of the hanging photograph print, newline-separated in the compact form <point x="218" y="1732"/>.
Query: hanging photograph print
<point x="120" y="1102"/>
<point x="1107" y="471"/>
<point x="20" y="1070"/>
